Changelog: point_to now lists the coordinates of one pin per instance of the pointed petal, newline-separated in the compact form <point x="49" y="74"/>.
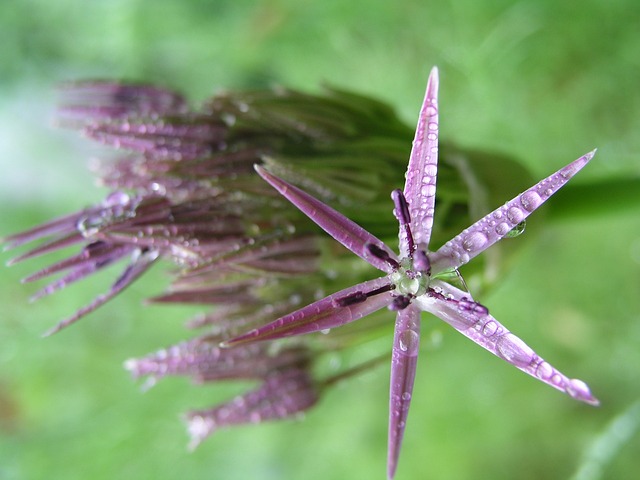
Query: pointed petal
<point x="203" y="360"/>
<point x="59" y="226"/>
<point x="282" y="395"/>
<point x="473" y="320"/>
<point x="97" y="254"/>
<point x="403" y="372"/>
<point x="420" y="186"/>
<point x="494" y="226"/>
<point x="136" y="268"/>
<point x="323" y="314"/>
<point x="345" y="231"/>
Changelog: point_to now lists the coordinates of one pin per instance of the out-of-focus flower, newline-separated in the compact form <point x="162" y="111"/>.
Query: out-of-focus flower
<point x="417" y="280"/>
<point x="283" y="393"/>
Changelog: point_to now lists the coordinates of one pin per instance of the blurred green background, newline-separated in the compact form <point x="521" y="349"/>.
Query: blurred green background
<point x="543" y="81"/>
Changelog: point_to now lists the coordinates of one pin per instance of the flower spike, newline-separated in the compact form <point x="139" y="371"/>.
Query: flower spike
<point x="413" y="283"/>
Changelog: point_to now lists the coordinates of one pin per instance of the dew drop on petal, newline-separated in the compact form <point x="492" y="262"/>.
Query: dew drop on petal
<point x="556" y="379"/>
<point x="428" y="190"/>
<point x="117" y="198"/>
<point x="474" y="242"/>
<point x="515" y="215"/>
<point x="408" y="341"/>
<point x="406" y="396"/>
<point x="544" y="371"/>
<point x="431" y="111"/>
<point x="517" y="230"/>
<point x="530" y="200"/>
<point x="490" y="328"/>
<point x="502" y="229"/>
<point x="514" y="350"/>
<point x="578" y="389"/>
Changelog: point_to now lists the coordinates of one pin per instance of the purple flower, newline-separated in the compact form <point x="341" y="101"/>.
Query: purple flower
<point x="417" y="279"/>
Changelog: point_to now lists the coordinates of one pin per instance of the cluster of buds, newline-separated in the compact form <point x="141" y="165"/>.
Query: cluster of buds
<point x="183" y="191"/>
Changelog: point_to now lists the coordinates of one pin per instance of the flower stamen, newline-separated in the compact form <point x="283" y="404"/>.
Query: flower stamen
<point x="359" y="297"/>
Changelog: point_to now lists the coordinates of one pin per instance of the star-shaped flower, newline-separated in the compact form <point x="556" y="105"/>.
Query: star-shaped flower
<point x="416" y="280"/>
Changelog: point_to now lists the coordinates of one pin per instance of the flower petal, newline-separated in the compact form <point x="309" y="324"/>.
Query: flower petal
<point x="203" y="360"/>
<point x="282" y="395"/>
<point x="335" y="310"/>
<point x="140" y="264"/>
<point x="495" y="225"/>
<point x="420" y="186"/>
<point x="345" y="231"/>
<point x="403" y="372"/>
<point x="473" y="320"/>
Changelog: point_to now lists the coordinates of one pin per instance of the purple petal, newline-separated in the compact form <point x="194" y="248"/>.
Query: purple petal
<point x="51" y="246"/>
<point x="420" y="186"/>
<point x="60" y="226"/>
<point x="474" y="321"/>
<point x="282" y="395"/>
<point x="203" y="360"/>
<point x="403" y="372"/>
<point x="92" y="101"/>
<point x="494" y="226"/>
<point x="348" y="233"/>
<point x="93" y="258"/>
<point x="97" y="253"/>
<point x="136" y="268"/>
<point x="330" y="312"/>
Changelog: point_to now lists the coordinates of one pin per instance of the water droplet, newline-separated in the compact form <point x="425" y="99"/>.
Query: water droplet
<point x="514" y="350"/>
<point x="490" y="328"/>
<point x="406" y="396"/>
<point x="578" y="389"/>
<point x="432" y="137"/>
<point x="158" y="188"/>
<point x="433" y="126"/>
<point x="530" y="200"/>
<point x="431" y="111"/>
<point x="431" y="170"/>
<point x="474" y="242"/>
<point x="517" y="230"/>
<point x="502" y="229"/>
<point x="515" y="215"/>
<point x="116" y="198"/>
<point x="544" y="370"/>
<point x="428" y="190"/>
<point x="557" y="379"/>
<point x="408" y="342"/>
<point x="88" y="226"/>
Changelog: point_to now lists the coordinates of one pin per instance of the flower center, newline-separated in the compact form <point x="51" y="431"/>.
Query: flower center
<point x="409" y="280"/>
